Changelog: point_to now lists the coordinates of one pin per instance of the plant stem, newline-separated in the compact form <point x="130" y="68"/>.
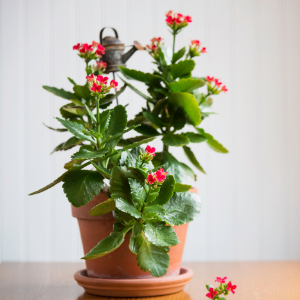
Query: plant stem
<point x="174" y="36"/>
<point x="98" y="120"/>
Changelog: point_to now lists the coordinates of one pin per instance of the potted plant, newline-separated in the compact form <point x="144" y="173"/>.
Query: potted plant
<point x="175" y="101"/>
<point x="130" y="212"/>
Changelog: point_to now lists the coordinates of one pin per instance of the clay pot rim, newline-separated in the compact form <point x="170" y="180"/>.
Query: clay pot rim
<point x="129" y="284"/>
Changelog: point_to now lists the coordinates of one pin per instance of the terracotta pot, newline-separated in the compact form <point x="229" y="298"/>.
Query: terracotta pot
<point x="121" y="263"/>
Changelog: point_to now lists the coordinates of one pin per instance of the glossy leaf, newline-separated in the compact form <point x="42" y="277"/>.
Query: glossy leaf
<point x="172" y="139"/>
<point x="153" y="118"/>
<point x="182" y="69"/>
<point x="126" y="207"/>
<point x="92" y="116"/>
<point x="141" y="142"/>
<point x="153" y="258"/>
<point x="55" y="182"/>
<point x="186" y="85"/>
<point x="189" y="104"/>
<point x="154" y="208"/>
<point x="108" y="244"/>
<point x="182" y="208"/>
<point x="138" y="193"/>
<point x="147" y="78"/>
<point x="166" y="191"/>
<point x="179" y="187"/>
<point x="161" y="235"/>
<point x="137" y="229"/>
<point x="135" y="243"/>
<point x="173" y="167"/>
<point x="82" y="186"/>
<point x="70" y="143"/>
<point x="191" y="156"/>
<point x="195" y="137"/>
<point x="86" y="154"/>
<point x="104" y="120"/>
<point x="130" y="141"/>
<point x="214" y="144"/>
<point x="76" y="110"/>
<point x="72" y="81"/>
<point x="177" y="55"/>
<point x="60" y="93"/>
<point x="147" y="130"/>
<point x="103" y="208"/>
<point x="105" y="172"/>
<point x="76" y="129"/>
<point x="188" y="171"/>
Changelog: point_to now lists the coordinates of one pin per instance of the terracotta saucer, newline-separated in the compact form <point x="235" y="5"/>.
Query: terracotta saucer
<point x="134" y="287"/>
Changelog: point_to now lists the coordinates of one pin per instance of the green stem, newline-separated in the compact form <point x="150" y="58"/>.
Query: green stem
<point x="174" y="36"/>
<point x="98" y="120"/>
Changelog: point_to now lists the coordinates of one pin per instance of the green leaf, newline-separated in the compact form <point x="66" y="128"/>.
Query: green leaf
<point x="172" y="139"/>
<point x="182" y="69"/>
<point x="166" y="191"/>
<point x="110" y="97"/>
<point x="195" y="138"/>
<point x="173" y="167"/>
<point x="82" y="186"/>
<point x="55" y="182"/>
<point x="141" y="142"/>
<point x="214" y="144"/>
<point x="156" y="208"/>
<point x="188" y="171"/>
<point x="191" y="156"/>
<point x="137" y="229"/>
<point x="135" y="243"/>
<point x="108" y="244"/>
<point x="189" y="104"/>
<point x="130" y="141"/>
<point x="123" y="217"/>
<point x="147" y="78"/>
<point x="56" y="129"/>
<point x="139" y="92"/>
<point x="70" y="143"/>
<point x="90" y="113"/>
<point x="161" y="59"/>
<point x="159" y="106"/>
<point x="103" y="208"/>
<point x="138" y="193"/>
<point x="86" y="154"/>
<point x="153" y="258"/>
<point x="75" y="110"/>
<point x="182" y="208"/>
<point x="72" y="81"/>
<point x="161" y="235"/>
<point x="179" y="187"/>
<point x="147" y="130"/>
<point x="186" y="85"/>
<point x="60" y="93"/>
<point x="222" y="298"/>
<point x="104" y="120"/>
<point x="105" y="172"/>
<point x="82" y="91"/>
<point x="208" y="287"/>
<point x="153" y="118"/>
<point x="76" y="129"/>
<point x="179" y="54"/>
<point x="179" y="119"/>
<point x="126" y="207"/>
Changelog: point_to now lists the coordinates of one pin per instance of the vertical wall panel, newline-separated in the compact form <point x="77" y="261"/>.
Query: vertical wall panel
<point x="250" y="196"/>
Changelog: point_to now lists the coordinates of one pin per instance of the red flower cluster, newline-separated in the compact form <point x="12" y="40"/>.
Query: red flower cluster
<point x="98" y="84"/>
<point x="195" y="48"/>
<point x="100" y="66"/>
<point x="153" y="47"/>
<point x="223" y="289"/>
<point x="89" y="52"/>
<point x="216" y="88"/>
<point x="177" y="21"/>
<point x="148" y="155"/>
<point x="158" y="177"/>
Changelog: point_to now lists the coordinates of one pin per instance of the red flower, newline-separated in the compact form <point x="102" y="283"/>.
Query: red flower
<point x="76" y="47"/>
<point x="151" y="178"/>
<point x="100" y="50"/>
<point x="203" y="50"/>
<point x="217" y="82"/>
<point x="224" y="89"/>
<point x="158" y="39"/>
<point x="179" y="15"/>
<point x="153" y="47"/>
<point x="211" y="293"/>
<point x="95" y="44"/>
<point x="96" y="88"/>
<point x="170" y="20"/>
<point x="188" y="19"/>
<point x="209" y="79"/>
<point x="178" y="21"/>
<point x="85" y="48"/>
<point x="90" y="78"/>
<point x="150" y="150"/>
<point x="161" y="175"/>
<point x="102" y="79"/>
<point x="101" y="64"/>
<point x="195" y="42"/>
<point x="220" y="279"/>
<point x="231" y="287"/>
<point x="169" y="13"/>
<point x="113" y="84"/>
<point x="162" y="171"/>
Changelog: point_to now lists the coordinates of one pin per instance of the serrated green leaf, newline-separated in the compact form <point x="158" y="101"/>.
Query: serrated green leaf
<point x="126" y="207"/>
<point x="141" y="142"/>
<point x="154" y="208"/>
<point x="82" y="91"/>
<point x="76" y="129"/>
<point x="177" y="55"/>
<point x="147" y="78"/>
<point x="104" y="120"/>
<point x="154" y="119"/>
<point x="72" y="81"/>
<point x="189" y="104"/>
<point x="76" y="110"/>
<point x="153" y="258"/>
<point x="174" y="167"/>
<point x="186" y="85"/>
<point x="212" y="143"/>
<point x="191" y="156"/>
<point x="182" y="69"/>
<point x="161" y="235"/>
<point x="108" y="244"/>
<point x="60" y="93"/>
<point x="147" y="130"/>
<point x="92" y="116"/>
<point x="82" y="186"/>
<point x="103" y="208"/>
<point x="159" y="106"/>
<point x="70" y="143"/>
<point x="105" y="172"/>
<point x="138" y="193"/>
<point x="56" y="129"/>
<point x="55" y="182"/>
<point x="135" y="243"/>
<point x="195" y="137"/>
<point x="123" y="217"/>
<point x="86" y="154"/>
<point x="128" y="142"/>
<point x="166" y="191"/>
<point x="188" y="171"/>
<point x="172" y="139"/>
<point x="179" y="187"/>
<point x="182" y="208"/>
<point x="137" y="229"/>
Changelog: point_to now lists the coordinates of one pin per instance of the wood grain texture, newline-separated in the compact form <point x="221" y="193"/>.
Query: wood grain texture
<point x="254" y="280"/>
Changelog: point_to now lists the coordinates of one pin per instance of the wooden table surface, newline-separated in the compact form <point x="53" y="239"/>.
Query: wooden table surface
<point x="254" y="280"/>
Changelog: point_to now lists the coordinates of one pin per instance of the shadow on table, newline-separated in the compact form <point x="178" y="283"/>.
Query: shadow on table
<point x="177" y="296"/>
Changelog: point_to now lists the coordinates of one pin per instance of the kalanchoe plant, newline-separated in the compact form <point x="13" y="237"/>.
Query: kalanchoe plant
<point x="174" y="101"/>
<point x="146" y="202"/>
<point x="82" y="98"/>
<point x="223" y="289"/>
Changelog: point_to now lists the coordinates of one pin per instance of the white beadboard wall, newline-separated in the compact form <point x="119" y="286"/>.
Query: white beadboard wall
<point x="251" y="196"/>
